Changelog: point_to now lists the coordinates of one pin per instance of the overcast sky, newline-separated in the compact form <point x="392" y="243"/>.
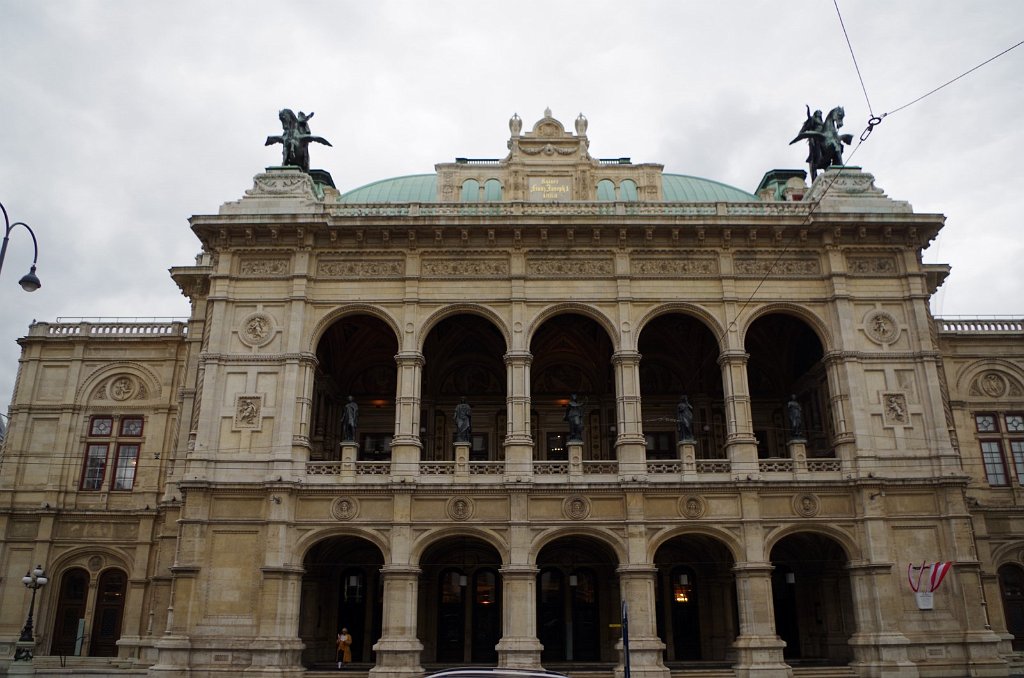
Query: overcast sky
<point x="123" y="118"/>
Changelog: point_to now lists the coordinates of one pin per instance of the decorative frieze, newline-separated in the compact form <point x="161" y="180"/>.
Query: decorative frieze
<point x="364" y="268"/>
<point x="676" y="267"/>
<point x="464" y="268"/>
<point x="263" y="267"/>
<point x="783" y="266"/>
<point x="569" y="268"/>
<point x="871" y="265"/>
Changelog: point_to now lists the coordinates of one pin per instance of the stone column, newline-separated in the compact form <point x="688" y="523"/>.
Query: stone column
<point x="637" y="584"/>
<point x="741" y="447"/>
<point x="758" y="647"/>
<point x="518" y="441"/>
<point x="519" y="647"/>
<point x="630" y="446"/>
<point x="406" y="445"/>
<point x="398" y="650"/>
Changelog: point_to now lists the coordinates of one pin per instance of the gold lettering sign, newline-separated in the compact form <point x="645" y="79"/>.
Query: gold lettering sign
<point x="549" y="189"/>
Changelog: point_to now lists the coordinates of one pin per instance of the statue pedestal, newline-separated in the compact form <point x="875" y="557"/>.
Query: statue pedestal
<point x="798" y="453"/>
<point x="575" y="451"/>
<point x="461" y="458"/>
<point x="349" y="453"/>
<point x="688" y="454"/>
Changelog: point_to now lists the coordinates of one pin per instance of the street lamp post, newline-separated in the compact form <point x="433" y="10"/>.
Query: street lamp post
<point x="35" y="580"/>
<point x="29" y="282"/>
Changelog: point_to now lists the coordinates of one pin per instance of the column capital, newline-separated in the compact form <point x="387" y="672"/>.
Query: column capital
<point x="733" y="356"/>
<point x="400" y="570"/>
<point x="409" y="358"/>
<point x="625" y="357"/>
<point x="638" y="569"/>
<point x="518" y="357"/>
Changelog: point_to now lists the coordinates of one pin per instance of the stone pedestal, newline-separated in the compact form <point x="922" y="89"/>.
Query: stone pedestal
<point x="798" y="453"/>
<point x="349" y="453"/>
<point x="461" y="451"/>
<point x="574" y="448"/>
<point x="688" y="454"/>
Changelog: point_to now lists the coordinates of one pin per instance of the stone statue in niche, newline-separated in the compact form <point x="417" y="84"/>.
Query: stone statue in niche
<point x="349" y="421"/>
<point x="684" y="420"/>
<point x="295" y="138"/>
<point x="463" y="422"/>
<point x="574" y="416"/>
<point x="795" y="416"/>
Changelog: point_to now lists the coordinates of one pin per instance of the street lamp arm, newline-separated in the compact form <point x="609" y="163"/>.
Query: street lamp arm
<point x="29" y="282"/>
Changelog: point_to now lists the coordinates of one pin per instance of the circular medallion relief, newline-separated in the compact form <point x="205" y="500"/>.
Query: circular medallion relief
<point x="881" y="327"/>
<point x="95" y="563"/>
<point x="344" y="508"/>
<point x="993" y="384"/>
<point x="692" y="506"/>
<point x="806" y="505"/>
<point x="576" y="507"/>
<point x="122" y="388"/>
<point x="257" y="330"/>
<point x="460" y="508"/>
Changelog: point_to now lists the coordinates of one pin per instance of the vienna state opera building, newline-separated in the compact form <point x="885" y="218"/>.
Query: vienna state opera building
<point x="514" y="413"/>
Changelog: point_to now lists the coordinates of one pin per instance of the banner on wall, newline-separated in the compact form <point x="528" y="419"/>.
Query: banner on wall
<point x="925" y="579"/>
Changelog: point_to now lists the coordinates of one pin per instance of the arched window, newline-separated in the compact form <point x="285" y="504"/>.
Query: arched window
<point x="627" y="191"/>
<point x="492" y="190"/>
<point x="605" y="190"/>
<point x="470" y="191"/>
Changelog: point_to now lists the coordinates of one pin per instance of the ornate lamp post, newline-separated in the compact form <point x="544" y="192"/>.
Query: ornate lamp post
<point x="29" y="282"/>
<point x="35" y="580"/>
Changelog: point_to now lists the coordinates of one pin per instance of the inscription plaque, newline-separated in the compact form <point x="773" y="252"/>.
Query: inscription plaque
<point x="548" y="189"/>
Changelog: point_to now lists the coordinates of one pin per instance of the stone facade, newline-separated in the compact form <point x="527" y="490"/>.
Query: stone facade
<point x="194" y="500"/>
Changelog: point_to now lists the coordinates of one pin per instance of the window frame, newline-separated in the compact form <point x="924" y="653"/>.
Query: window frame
<point x="116" y="475"/>
<point x="121" y="437"/>
<point x="83" y="483"/>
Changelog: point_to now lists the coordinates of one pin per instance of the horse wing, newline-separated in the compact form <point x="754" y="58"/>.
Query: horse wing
<point x="846" y="138"/>
<point x="274" y="140"/>
<point x="320" y="140"/>
<point x="807" y="135"/>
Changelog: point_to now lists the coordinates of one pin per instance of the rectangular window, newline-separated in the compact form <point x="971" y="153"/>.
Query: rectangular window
<point x="1015" y="423"/>
<point x="660" y="445"/>
<point x="995" y="469"/>
<point x="479" y="450"/>
<point x="101" y="426"/>
<point x="376" y="447"/>
<point x="95" y="467"/>
<point x="986" y="423"/>
<point x="131" y="427"/>
<point x="124" y="467"/>
<point x="1017" y="452"/>
<point x="556" y="447"/>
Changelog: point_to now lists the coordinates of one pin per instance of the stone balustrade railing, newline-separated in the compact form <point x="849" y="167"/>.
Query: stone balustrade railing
<point x="110" y="328"/>
<point x="980" y="325"/>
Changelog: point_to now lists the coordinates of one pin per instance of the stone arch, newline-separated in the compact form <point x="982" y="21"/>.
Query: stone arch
<point x="846" y="541"/>
<point x="1008" y="370"/>
<point x="816" y="324"/>
<point x="79" y="557"/>
<point x="489" y="537"/>
<point x="573" y="307"/>
<point x="149" y="379"/>
<point x="347" y="310"/>
<point x="691" y="310"/>
<point x="605" y="537"/>
<point x="1008" y="554"/>
<point x="306" y="542"/>
<point x="457" y="309"/>
<point x="723" y="536"/>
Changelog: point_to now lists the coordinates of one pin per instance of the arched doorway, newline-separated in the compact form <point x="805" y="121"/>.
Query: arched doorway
<point x="342" y="587"/>
<point x="813" y="599"/>
<point x="460" y="602"/>
<point x="577" y="600"/>
<point x="463" y="359"/>
<point x="71" y="610"/>
<point x="355" y="357"/>
<point x="572" y="355"/>
<point x="786" y="359"/>
<point x="680" y="357"/>
<point x="696" y="599"/>
<point x="1011" y="586"/>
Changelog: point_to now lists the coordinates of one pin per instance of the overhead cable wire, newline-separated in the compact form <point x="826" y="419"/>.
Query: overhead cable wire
<point x="854" y="57"/>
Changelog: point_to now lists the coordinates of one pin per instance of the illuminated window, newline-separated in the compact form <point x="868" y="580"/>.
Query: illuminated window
<point x="124" y="467"/>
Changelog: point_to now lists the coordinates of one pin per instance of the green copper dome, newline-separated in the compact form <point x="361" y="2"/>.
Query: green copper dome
<point x="423" y="188"/>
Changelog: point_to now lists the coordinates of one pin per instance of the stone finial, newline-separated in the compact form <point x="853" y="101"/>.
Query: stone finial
<point x="515" y="124"/>
<point x="581" y="126"/>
